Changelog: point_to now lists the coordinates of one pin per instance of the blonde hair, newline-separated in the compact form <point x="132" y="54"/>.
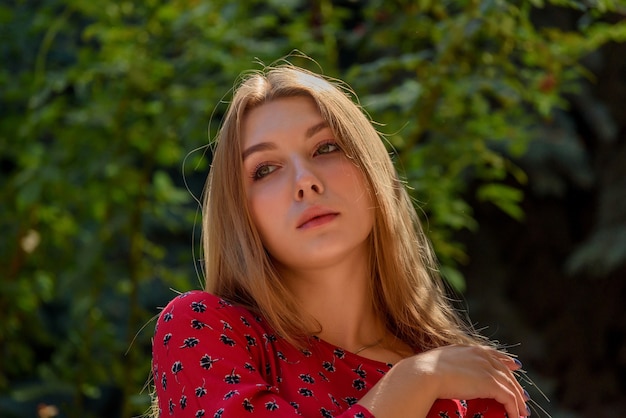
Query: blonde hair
<point x="406" y="287"/>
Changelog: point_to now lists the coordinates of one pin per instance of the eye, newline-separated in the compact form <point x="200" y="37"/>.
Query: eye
<point x="263" y="170"/>
<point x="327" y="148"/>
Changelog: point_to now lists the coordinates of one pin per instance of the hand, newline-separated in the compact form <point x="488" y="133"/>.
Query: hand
<point x="471" y="372"/>
<point x="453" y="372"/>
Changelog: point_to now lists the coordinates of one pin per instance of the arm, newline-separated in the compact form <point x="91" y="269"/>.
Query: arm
<point x="204" y="368"/>
<point x="455" y="372"/>
<point x="210" y="361"/>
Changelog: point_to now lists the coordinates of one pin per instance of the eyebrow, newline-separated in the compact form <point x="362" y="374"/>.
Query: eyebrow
<point x="315" y="129"/>
<point x="266" y="146"/>
<point x="263" y="146"/>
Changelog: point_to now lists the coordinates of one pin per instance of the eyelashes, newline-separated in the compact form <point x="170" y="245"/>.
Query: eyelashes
<point x="263" y="170"/>
<point x="266" y="168"/>
<point x="326" y="148"/>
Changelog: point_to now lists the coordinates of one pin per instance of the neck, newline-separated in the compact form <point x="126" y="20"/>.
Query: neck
<point x="339" y="298"/>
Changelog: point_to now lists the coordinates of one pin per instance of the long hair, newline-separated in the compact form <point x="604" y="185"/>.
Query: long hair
<point x="406" y="287"/>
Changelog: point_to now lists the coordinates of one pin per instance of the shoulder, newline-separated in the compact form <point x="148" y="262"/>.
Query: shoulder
<point x="198" y="309"/>
<point x="196" y="297"/>
<point x="196" y="301"/>
<point x="204" y="351"/>
<point x="200" y="324"/>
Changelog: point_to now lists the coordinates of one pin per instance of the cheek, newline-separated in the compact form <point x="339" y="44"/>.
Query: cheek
<point x="265" y="212"/>
<point x="361" y="195"/>
<point x="255" y="206"/>
<point x="354" y="182"/>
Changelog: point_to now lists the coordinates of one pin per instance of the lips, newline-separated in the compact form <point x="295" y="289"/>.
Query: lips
<point x="315" y="216"/>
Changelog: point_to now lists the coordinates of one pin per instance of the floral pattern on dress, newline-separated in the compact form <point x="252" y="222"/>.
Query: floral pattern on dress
<point x="212" y="359"/>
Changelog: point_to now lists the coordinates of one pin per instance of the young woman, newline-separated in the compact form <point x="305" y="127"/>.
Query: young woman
<point x="322" y="297"/>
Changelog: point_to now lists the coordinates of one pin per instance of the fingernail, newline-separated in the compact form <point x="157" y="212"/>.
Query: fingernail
<point x="528" y="410"/>
<point x="526" y="395"/>
<point x="519" y="363"/>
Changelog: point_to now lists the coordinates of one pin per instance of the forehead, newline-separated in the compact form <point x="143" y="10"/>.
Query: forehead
<point x="288" y="116"/>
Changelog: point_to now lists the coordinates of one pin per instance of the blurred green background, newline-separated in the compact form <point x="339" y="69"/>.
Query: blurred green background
<point x="507" y="118"/>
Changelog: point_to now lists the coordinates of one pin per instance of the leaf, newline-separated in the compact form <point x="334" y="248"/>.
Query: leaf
<point x="454" y="277"/>
<point x="505" y="197"/>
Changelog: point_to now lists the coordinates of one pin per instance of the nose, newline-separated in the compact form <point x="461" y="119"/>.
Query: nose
<point x="306" y="182"/>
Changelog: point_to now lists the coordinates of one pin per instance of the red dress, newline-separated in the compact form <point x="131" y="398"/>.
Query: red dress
<point x="215" y="360"/>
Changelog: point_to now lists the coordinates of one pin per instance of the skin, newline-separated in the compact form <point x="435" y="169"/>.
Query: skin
<point x="294" y="170"/>
<point x="453" y="372"/>
<point x="292" y="165"/>
<point x="290" y="170"/>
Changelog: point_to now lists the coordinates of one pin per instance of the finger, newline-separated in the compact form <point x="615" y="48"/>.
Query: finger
<point x="506" y="396"/>
<point x="511" y="362"/>
<point x="504" y="382"/>
<point x="506" y="392"/>
<point x="507" y="379"/>
<point x="514" y="365"/>
<point x="520" y="394"/>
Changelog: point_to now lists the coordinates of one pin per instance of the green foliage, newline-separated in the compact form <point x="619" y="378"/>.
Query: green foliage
<point x="103" y="100"/>
<point x="458" y="87"/>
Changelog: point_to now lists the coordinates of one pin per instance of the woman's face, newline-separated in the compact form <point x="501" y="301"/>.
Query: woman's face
<point x="308" y="201"/>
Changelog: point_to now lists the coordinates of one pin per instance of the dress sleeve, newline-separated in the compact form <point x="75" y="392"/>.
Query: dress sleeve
<point x="485" y="408"/>
<point x="209" y="361"/>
